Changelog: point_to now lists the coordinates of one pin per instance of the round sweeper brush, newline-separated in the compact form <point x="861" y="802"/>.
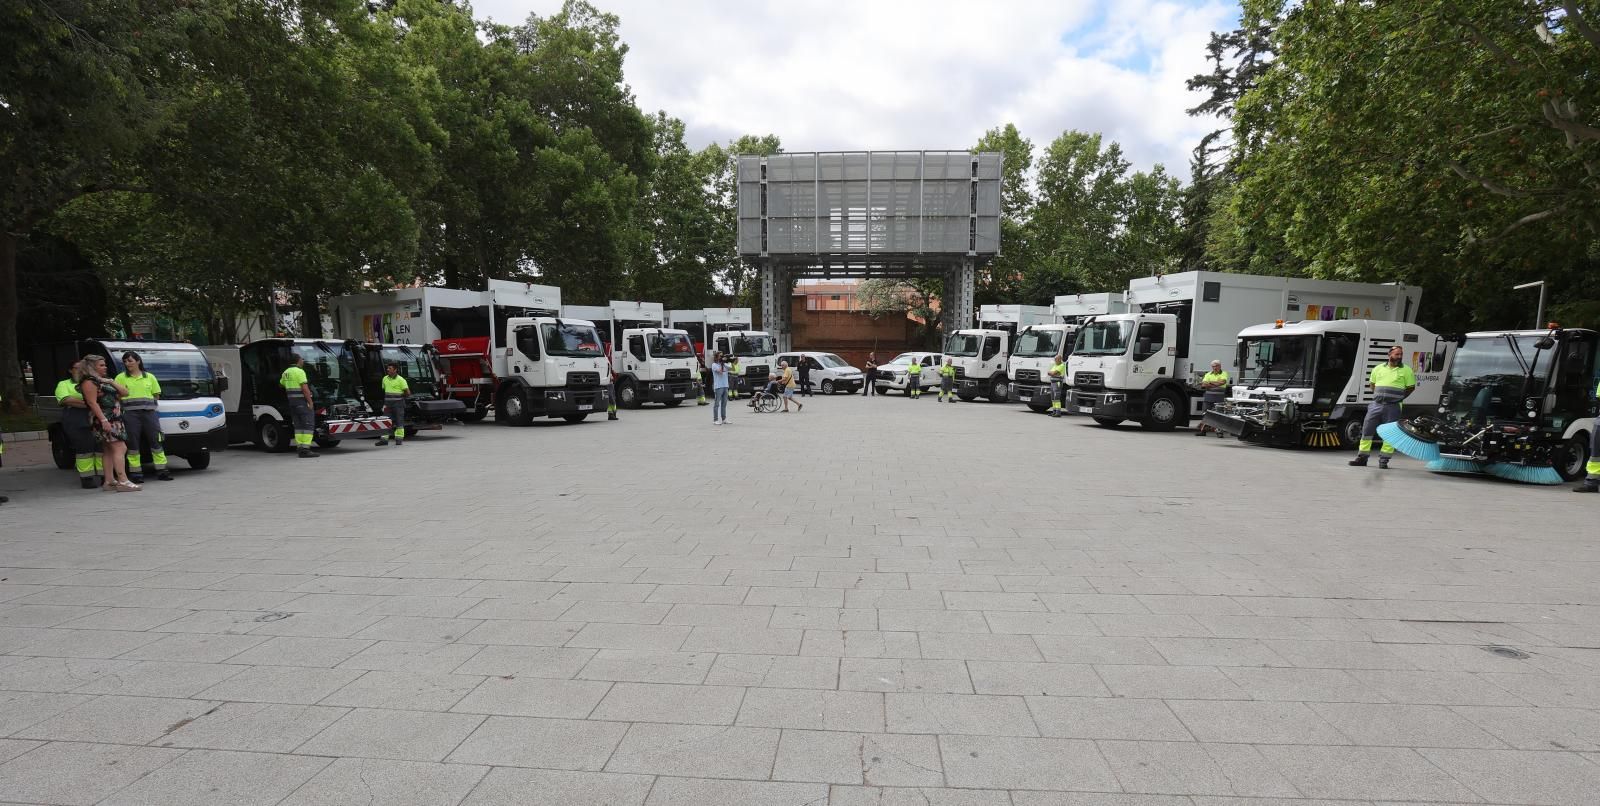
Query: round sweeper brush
<point x="1408" y="441"/>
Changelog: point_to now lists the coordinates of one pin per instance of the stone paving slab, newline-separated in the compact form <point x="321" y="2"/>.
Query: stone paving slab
<point x="796" y="611"/>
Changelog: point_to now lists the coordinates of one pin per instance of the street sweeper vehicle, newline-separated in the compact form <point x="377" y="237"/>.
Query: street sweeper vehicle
<point x="1144" y="365"/>
<point x="258" y="406"/>
<point x="1305" y="383"/>
<point x="1517" y="405"/>
<point x="427" y="406"/>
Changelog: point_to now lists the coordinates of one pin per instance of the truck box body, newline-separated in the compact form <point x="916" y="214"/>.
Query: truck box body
<point x="1072" y="309"/>
<point x="1011" y="318"/>
<point x="1189" y="320"/>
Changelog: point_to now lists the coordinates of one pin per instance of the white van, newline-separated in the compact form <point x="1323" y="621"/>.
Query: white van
<point x="829" y="372"/>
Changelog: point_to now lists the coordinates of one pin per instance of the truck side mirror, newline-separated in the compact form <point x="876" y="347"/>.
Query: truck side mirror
<point x="222" y="384"/>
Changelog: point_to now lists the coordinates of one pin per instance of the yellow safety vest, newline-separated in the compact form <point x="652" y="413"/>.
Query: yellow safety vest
<point x="293" y="378"/>
<point x="1400" y="377"/>
<point x="142" y="387"/>
<point x="1212" y="377"/>
<point x="395" y="385"/>
<point x="947" y="371"/>
<point x="66" y="388"/>
<point x="914" y="369"/>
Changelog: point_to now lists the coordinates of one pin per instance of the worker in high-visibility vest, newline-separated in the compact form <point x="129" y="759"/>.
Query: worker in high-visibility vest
<point x="302" y="407"/>
<point x="142" y="419"/>
<point x="947" y="380"/>
<point x="914" y="379"/>
<point x="75" y="425"/>
<point x="395" y="392"/>
<point x="736" y="377"/>
<point x="1591" y="483"/>
<point x="1058" y="377"/>
<point x="1214" y="389"/>
<point x="611" y="402"/>
<point x="1391" y="382"/>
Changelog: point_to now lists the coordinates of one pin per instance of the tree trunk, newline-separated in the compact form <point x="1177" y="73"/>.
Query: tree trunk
<point x="310" y="314"/>
<point x="11" y="387"/>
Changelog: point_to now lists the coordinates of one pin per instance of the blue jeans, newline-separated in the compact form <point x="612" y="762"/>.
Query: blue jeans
<point x="719" y="404"/>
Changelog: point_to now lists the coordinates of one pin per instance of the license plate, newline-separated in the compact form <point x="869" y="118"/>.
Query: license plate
<point x="1086" y="409"/>
<point x="678" y="394"/>
<point x="585" y="407"/>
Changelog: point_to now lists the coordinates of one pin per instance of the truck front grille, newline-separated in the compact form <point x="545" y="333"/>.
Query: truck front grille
<point x="679" y="374"/>
<point x="756" y="373"/>
<point x="1089" y="380"/>
<point x="583" y="379"/>
<point x="1027" y="376"/>
<point x="961" y="373"/>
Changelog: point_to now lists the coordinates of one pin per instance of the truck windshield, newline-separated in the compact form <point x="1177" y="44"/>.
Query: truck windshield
<point x="416" y="366"/>
<point x="1103" y="338"/>
<point x="963" y="345"/>
<point x="330" y="369"/>
<point x="1038" y="344"/>
<point x="1277" y="360"/>
<point x="570" y="340"/>
<point x="1486" y="376"/>
<point x="753" y="346"/>
<point x="183" y="374"/>
<point x="670" y="345"/>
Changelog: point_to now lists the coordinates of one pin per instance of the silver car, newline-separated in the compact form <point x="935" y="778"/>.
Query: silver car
<point x="829" y="372"/>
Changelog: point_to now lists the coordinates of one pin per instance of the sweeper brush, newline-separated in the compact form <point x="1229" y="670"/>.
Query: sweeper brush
<point x="1525" y="474"/>
<point x="1407" y="442"/>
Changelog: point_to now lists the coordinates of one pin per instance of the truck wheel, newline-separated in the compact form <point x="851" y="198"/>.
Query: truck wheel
<point x="272" y="435"/>
<point x="999" y="390"/>
<point x="473" y="415"/>
<point x="1165" y="413"/>
<point x="60" y="452"/>
<point x="1108" y="422"/>
<point x="628" y="395"/>
<point x="1350" y="433"/>
<point x="1039" y="407"/>
<point x="827" y="387"/>
<point x="198" y="461"/>
<point x="966" y="394"/>
<point x="1569" y="458"/>
<point x="513" y="408"/>
<point x="576" y="417"/>
<point x="326" y="442"/>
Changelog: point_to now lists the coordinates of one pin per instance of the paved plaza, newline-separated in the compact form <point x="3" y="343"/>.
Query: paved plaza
<point x="875" y="602"/>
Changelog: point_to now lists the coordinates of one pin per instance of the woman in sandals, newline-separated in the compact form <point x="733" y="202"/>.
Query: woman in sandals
<point x="100" y="394"/>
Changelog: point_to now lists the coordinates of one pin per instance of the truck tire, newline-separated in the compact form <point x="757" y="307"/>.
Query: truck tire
<point x="60" y="452"/>
<point x="326" y="442"/>
<point x="198" y="461"/>
<point x="1165" y="412"/>
<point x="1039" y="407"/>
<point x="628" y="395"/>
<point x="966" y="394"/>
<point x="1107" y="422"/>
<point x="473" y="415"/>
<point x="1350" y="433"/>
<point x="272" y="435"/>
<point x="1571" y="456"/>
<point x="513" y="408"/>
<point x="999" y="390"/>
<point x="575" y="417"/>
<point x="827" y="386"/>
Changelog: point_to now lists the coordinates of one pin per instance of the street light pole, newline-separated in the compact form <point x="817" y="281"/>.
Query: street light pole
<point x="1538" y="321"/>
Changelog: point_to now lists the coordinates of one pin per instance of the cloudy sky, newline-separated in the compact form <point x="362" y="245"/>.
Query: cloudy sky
<point x="935" y="74"/>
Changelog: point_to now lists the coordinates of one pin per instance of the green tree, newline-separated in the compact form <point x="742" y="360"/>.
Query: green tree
<point x="676" y="268"/>
<point x="917" y="297"/>
<point x="720" y="165"/>
<point x="1001" y="280"/>
<point x="1083" y="196"/>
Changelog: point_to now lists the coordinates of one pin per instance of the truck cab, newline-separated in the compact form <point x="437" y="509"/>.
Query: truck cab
<point x="980" y="362"/>
<point x="258" y="406"/>
<point x="550" y="367"/>
<point x="755" y="350"/>
<point x="654" y="365"/>
<point x="1032" y="356"/>
<point x="1126" y="366"/>
<point x="1305" y="383"/>
<point x="428" y="407"/>
<point x="193" y="423"/>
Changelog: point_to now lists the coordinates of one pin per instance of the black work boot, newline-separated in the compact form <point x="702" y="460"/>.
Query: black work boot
<point x="89" y="483"/>
<point x="1359" y="461"/>
<point x="307" y="453"/>
<point x="164" y="475"/>
<point x="1383" y="463"/>
<point x="1588" y="485"/>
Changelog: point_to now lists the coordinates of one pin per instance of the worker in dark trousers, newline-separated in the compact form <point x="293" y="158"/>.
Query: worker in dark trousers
<point x="1214" y="389"/>
<point x="805" y="375"/>
<point x="872" y="374"/>
<point x="1391" y="382"/>
<point x="611" y="405"/>
<point x="735" y="378"/>
<point x="302" y="407"/>
<point x="1591" y="483"/>
<point x="142" y="419"/>
<point x="1058" y="385"/>
<point x="914" y="379"/>
<point x="947" y="381"/>
<point x="75" y="424"/>
<point x="395" y="392"/>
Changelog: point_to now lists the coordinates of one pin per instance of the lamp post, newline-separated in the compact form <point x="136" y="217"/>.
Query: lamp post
<point x="1538" y="321"/>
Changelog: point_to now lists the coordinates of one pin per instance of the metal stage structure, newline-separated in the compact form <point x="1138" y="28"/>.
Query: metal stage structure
<point x="868" y="214"/>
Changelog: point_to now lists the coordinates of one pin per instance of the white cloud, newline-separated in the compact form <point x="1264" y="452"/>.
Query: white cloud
<point x="875" y="74"/>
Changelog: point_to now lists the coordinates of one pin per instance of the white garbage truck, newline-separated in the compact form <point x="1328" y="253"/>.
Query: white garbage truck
<point x="980" y="354"/>
<point x="1305" y="383"/>
<point x="652" y="363"/>
<point x="1036" y="346"/>
<point x="1144" y="365"/>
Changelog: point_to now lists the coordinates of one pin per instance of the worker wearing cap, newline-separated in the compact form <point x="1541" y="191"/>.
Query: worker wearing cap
<point x="947" y="380"/>
<point x="1591" y="484"/>
<point x="1391" y="382"/>
<point x="302" y="411"/>
<point x="1058" y="379"/>
<point x="142" y="419"/>
<point x="75" y="425"/>
<point x="1214" y="389"/>
<point x="914" y="379"/>
<point x="395" y="392"/>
